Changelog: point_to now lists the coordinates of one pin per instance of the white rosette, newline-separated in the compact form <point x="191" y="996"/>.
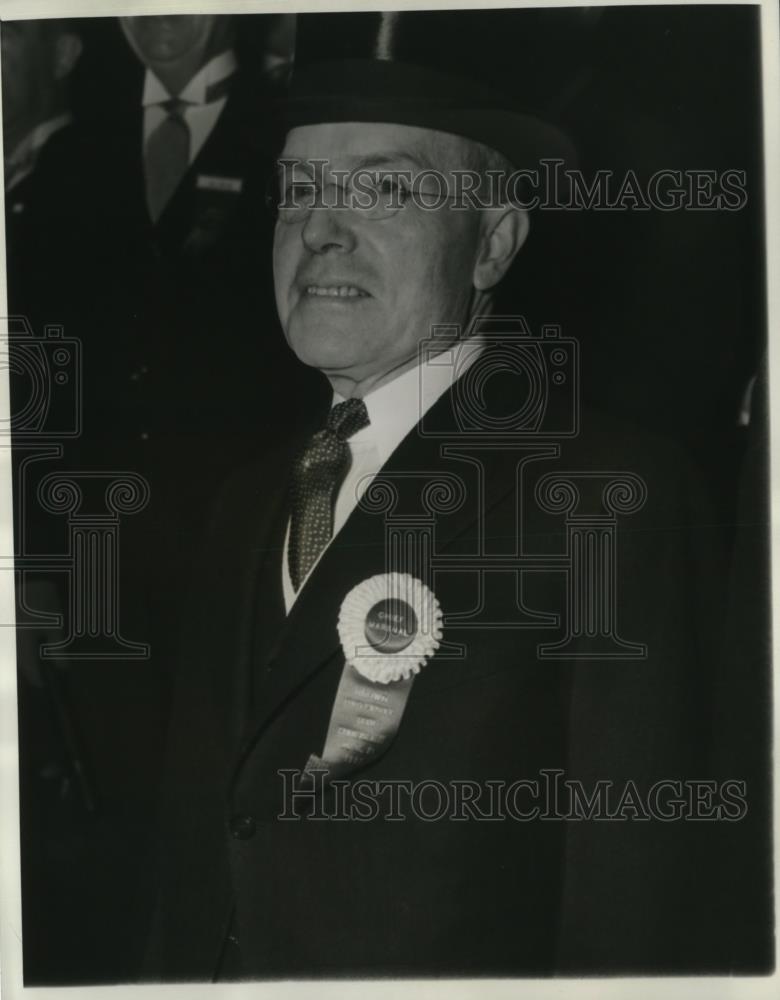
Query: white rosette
<point x="419" y="644"/>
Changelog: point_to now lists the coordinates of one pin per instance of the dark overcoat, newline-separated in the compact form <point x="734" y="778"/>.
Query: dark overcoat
<point x="259" y="883"/>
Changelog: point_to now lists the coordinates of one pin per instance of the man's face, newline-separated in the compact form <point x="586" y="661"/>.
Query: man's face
<point x="159" y="41"/>
<point x="404" y="273"/>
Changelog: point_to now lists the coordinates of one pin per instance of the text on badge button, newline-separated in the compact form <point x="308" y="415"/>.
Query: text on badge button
<point x="391" y="625"/>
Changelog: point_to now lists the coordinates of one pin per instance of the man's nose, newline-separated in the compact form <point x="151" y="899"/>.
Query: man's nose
<point x="329" y="229"/>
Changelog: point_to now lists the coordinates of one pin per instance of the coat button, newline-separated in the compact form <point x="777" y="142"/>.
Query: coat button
<point x="242" y="827"/>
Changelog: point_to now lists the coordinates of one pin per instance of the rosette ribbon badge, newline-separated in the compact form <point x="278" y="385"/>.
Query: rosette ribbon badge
<point x="389" y="626"/>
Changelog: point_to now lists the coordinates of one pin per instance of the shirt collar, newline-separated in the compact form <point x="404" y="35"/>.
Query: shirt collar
<point x="397" y="406"/>
<point x="214" y="71"/>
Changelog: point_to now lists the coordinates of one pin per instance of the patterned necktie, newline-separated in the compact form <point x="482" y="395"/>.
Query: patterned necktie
<point x="167" y="157"/>
<point x="317" y="474"/>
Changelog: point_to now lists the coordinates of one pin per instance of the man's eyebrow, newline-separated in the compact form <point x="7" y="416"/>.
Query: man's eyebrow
<point x="389" y="158"/>
<point x="392" y="158"/>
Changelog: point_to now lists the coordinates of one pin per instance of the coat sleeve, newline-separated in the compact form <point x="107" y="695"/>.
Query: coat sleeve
<point x="640" y="876"/>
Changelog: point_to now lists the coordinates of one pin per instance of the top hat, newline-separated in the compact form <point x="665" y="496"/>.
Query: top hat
<point x="451" y="71"/>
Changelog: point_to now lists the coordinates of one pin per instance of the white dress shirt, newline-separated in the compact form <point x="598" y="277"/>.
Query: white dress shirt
<point x="393" y="410"/>
<point x="201" y="116"/>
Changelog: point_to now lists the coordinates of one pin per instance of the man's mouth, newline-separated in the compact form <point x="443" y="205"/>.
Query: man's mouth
<point x="336" y="291"/>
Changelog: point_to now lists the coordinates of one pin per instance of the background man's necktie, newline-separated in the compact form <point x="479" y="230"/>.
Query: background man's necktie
<point x="167" y="157"/>
<point x="317" y="474"/>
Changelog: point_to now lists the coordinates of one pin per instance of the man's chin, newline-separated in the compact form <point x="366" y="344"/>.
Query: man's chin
<point x="327" y="345"/>
<point x="325" y="355"/>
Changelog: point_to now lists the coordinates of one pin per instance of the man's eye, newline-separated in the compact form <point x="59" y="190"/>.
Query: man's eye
<point x="392" y="188"/>
<point x="299" y="194"/>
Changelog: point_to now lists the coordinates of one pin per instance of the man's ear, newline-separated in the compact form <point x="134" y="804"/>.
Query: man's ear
<point x="505" y="230"/>
<point x="67" y="50"/>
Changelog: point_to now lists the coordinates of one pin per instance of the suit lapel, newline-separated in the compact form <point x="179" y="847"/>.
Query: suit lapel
<point x="243" y="552"/>
<point x="251" y="528"/>
<point x="309" y="639"/>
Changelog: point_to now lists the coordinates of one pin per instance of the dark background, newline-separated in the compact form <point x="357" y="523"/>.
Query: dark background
<point x="669" y="311"/>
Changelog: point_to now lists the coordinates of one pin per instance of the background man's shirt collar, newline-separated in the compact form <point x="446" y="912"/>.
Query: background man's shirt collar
<point x="201" y="114"/>
<point x="196" y="91"/>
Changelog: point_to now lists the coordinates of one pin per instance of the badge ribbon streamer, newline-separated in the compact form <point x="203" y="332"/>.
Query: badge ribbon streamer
<point x="365" y="718"/>
<point x="390" y="626"/>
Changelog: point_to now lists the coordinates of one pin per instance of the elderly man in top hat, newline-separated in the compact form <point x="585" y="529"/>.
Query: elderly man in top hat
<point x="382" y="685"/>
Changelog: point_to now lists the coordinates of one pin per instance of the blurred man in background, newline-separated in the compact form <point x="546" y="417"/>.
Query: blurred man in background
<point x="191" y="70"/>
<point x="182" y="364"/>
